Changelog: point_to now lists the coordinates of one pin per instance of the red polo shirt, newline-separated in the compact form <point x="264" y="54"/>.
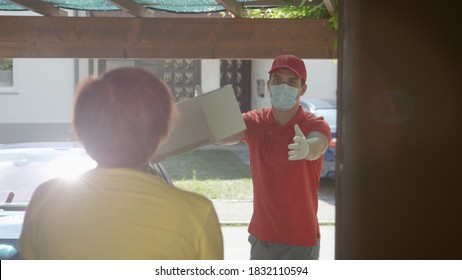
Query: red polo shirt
<point x="285" y="192"/>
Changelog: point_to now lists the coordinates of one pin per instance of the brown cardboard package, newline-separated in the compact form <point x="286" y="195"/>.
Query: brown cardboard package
<point x="203" y="120"/>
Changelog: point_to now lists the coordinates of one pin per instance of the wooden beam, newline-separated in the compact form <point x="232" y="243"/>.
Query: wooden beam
<point x="40" y="7"/>
<point x="232" y="6"/>
<point x="329" y="6"/>
<point x="198" y="38"/>
<point x="133" y="8"/>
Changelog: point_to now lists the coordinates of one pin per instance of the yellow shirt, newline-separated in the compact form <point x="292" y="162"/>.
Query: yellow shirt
<point x="119" y="214"/>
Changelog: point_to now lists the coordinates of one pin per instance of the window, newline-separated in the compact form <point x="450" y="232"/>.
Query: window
<point x="181" y="75"/>
<point x="6" y="75"/>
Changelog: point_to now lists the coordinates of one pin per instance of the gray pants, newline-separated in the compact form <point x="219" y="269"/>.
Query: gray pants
<point x="262" y="250"/>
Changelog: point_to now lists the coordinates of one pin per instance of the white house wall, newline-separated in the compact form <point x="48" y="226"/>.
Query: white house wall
<point x="44" y="92"/>
<point x="210" y="74"/>
<point x="40" y="105"/>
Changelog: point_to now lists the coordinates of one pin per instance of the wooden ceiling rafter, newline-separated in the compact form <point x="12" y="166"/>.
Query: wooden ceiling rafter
<point x="41" y="7"/>
<point x="329" y="6"/>
<point x="148" y="36"/>
<point x="133" y="8"/>
<point x="235" y="8"/>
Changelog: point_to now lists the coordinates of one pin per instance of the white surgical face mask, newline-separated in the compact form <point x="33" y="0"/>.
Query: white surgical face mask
<point x="283" y="97"/>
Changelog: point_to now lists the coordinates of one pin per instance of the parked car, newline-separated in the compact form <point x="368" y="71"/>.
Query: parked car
<point x="23" y="167"/>
<point x="327" y="109"/>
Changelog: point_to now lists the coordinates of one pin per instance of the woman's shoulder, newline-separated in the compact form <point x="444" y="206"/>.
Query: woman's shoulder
<point x="192" y="198"/>
<point x="52" y="186"/>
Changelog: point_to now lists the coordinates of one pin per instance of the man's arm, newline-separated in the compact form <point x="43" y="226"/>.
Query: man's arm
<point x="310" y="148"/>
<point x="233" y="139"/>
<point x="318" y="144"/>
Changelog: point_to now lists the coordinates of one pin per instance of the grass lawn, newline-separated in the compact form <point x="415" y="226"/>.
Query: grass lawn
<point x="216" y="174"/>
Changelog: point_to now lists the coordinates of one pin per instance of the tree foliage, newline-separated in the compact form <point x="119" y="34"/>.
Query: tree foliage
<point x="6" y="64"/>
<point x="289" y="11"/>
<point x="302" y="11"/>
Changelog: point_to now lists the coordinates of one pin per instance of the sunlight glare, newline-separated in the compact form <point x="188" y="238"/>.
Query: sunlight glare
<point x="71" y="167"/>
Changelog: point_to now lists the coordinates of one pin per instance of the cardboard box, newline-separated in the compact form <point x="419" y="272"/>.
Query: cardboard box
<point x="203" y="120"/>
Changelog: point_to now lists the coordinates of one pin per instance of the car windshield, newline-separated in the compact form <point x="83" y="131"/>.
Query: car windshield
<point x="23" y="170"/>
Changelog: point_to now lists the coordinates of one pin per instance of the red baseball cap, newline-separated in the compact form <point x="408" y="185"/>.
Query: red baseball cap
<point x="291" y="62"/>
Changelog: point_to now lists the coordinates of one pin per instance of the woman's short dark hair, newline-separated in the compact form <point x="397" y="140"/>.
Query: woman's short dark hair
<point x="123" y="117"/>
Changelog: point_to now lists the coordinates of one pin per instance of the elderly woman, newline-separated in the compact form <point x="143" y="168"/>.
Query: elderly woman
<point x="118" y="210"/>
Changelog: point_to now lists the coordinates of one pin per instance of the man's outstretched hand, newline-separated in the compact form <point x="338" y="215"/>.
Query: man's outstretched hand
<point x="300" y="148"/>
